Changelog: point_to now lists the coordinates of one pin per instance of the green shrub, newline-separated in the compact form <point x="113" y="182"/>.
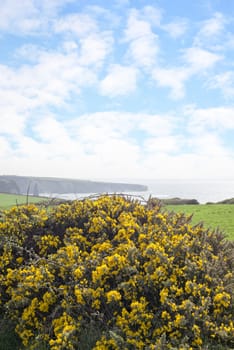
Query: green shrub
<point x="112" y="273"/>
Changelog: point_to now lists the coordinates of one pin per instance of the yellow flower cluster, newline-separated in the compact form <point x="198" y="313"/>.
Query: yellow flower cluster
<point x="130" y="275"/>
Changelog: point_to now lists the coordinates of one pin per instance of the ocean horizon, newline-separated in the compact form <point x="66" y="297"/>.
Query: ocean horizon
<point x="202" y="190"/>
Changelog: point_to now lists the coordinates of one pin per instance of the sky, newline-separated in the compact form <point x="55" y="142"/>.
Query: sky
<point x="117" y="89"/>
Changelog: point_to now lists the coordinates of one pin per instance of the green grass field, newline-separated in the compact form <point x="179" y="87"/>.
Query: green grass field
<point x="212" y="215"/>
<point x="9" y="200"/>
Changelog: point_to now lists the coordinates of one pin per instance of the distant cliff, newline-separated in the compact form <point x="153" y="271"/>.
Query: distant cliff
<point x="37" y="185"/>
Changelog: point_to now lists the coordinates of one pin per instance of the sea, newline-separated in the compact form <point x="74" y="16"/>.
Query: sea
<point x="203" y="191"/>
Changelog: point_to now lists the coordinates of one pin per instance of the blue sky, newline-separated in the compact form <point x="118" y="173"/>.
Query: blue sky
<point x="117" y="89"/>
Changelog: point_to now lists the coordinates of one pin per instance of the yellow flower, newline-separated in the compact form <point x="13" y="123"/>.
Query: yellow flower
<point x="163" y="295"/>
<point x="78" y="294"/>
<point x="222" y="299"/>
<point x="178" y="320"/>
<point x="113" y="295"/>
<point x="165" y="315"/>
<point x="20" y="260"/>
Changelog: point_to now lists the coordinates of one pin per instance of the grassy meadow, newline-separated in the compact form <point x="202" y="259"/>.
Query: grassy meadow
<point x="8" y="200"/>
<point x="212" y="215"/>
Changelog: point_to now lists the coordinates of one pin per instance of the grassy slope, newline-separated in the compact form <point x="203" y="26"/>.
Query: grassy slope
<point x="9" y="200"/>
<point x="213" y="215"/>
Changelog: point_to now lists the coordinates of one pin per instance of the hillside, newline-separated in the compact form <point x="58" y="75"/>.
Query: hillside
<point x="36" y="185"/>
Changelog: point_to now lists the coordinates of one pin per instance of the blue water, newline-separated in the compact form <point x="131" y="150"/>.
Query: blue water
<point x="202" y="190"/>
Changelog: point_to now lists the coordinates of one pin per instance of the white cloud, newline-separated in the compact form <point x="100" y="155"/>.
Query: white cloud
<point x="186" y="166"/>
<point x="12" y="121"/>
<point x="26" y="95"/>
<point x="93" y="45"/>
<point x="115" y="155"/>
<point x="107" y="145"/>
<point x="137" y="27"/>
<point x="105" y="16"/>
<point x="50" y="130"/>
<point x="207" y="144"/>
<point x="28" y="148"/>
<point x="95" y="48"/>
<point x="19" y="16"/>
<point x="28" y="16"/>
<point x="143" y="42"/>
<point x="79" y="25"/>
<point x="144" y="50"/>
<point x="213" y="26"/>
<point x="48" y="82"/>
<point x="153" y="15"/>
<point x="224" y="82"/>
<point x="119" y="124"/>
<point x="115" y="52"/>
<point x="70" y="46"/>
<point x="98" y="131"/>
<point x="216" y="118"/>
<point x="111" y="139"/>
<point x="199" y="59"/>
<point x="13" y="104"/>
<point x="195" y="60"/>
<point x="4" y="146"/>
<point x="52" y="6"/>
<point x="54" y="140"/>
<point x="228" y="44"/>
<point x="173" y="78"/>
<point x="100" y="143"/>
<point x="163" y="145"/>
<point x="177" y="28"/>
<point x="156" y="125"/>
<point x="211" y="31"/>
<point x="29" y="53"/>
<point x="121" y="80"/>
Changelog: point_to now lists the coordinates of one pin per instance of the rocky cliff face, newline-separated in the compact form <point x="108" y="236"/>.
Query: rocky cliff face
<point x="37" y="185"/>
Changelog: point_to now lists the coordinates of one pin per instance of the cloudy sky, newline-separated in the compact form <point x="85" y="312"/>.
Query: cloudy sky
<point x="113" y="89"/>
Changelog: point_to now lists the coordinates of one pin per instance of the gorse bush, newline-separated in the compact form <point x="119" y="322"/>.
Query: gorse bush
<point x="112" y="273"/>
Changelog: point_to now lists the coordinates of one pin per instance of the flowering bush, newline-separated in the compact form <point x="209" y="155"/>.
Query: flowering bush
<point x="116" y="274"/>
